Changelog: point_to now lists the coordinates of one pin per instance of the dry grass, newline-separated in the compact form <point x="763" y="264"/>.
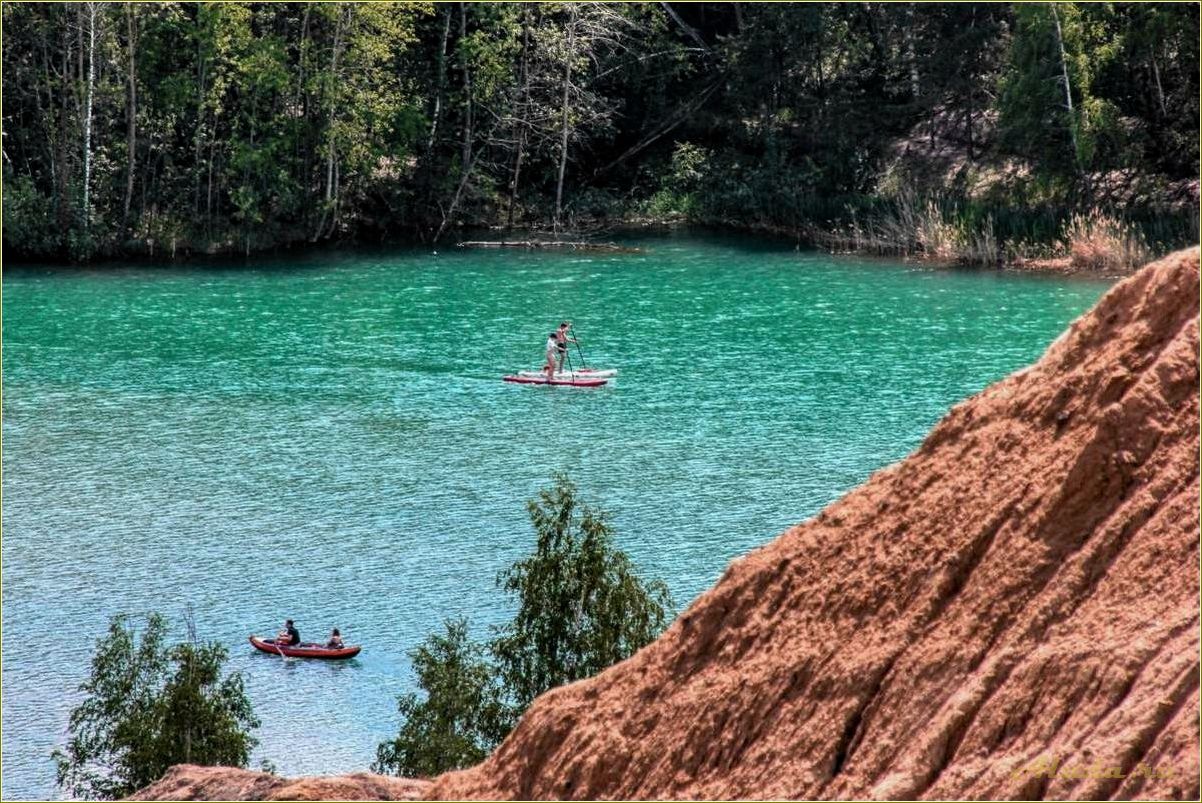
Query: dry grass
<point x="916" y="228"/>
<point x="1098" y="242"/>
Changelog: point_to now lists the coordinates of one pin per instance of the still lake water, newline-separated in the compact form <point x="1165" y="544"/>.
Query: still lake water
<point x="326" y="437"/>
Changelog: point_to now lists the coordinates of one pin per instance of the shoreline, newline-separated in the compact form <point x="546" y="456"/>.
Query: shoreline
<point x="799" y="238"/>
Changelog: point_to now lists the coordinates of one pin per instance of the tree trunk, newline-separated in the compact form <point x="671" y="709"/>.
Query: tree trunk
<point x="337" y="214"/>
<point x="1068" y="94"/>
<point x="970" y="72"/>
<point x="66" y="204"/>
<point x="209" y="185"/>
<point x="331" y="106"/>
<point x="454" y="205"/>
<point x="968" y="126"/>
<point x="466" y="155"/>
<point x="665" y="127"/>
<point x="517" y="172"/>
<point x="131" y="113"/>
<point x="524" y="109"/>
<point x="198" y="141"/>
<point x="564" y="118"/>
<point x="91" y="10"/>
<point x="440" y="87"/>
<point x="821" y="72"/>
<point x="1159" y="88"/>
<point x="304" y="152"/>
<point x="688" y="29"/>
<point x="911" y="56"/>
<point x="49" y="119"/>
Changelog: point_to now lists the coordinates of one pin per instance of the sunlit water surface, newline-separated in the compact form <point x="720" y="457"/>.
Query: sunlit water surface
<point x="326" y="437"/>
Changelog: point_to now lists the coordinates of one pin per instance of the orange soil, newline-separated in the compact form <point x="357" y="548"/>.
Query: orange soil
<point x="189" y="782"/>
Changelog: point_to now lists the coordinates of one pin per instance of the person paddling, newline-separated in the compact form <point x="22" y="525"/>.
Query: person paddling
<point x="335" y="642"/>
<point x="289" y="636"/>
<point x="562" y="339"/>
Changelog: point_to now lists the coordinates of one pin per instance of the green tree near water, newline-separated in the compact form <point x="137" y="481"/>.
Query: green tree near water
<point x="462" y="716"/>
<point x="581" y="608"/>
<point x="150" y="706"/>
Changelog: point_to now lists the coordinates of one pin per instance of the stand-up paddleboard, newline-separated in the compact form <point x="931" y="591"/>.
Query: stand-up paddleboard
<point x="576" y="382"/>
<point x="578" y="373"/>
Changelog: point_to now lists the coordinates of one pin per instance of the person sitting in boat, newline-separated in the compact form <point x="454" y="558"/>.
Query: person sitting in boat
<point x="562" y="339"/>
<point x="289" y="636"/>
<point x="552" y="355"/>
<point x="335" y="642"/>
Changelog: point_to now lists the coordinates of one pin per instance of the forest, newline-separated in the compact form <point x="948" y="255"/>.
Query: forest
<point x="172" y="129"/>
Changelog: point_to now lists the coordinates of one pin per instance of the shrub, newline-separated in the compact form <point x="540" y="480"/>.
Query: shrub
<point x="149" y="706"/>
<point x="581" y="608"/>
<point x="29" y="225"/>
<point x="461" y="718"/>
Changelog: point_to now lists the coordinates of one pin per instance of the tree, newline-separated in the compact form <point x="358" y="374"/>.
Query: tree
<point x="584" y="35"/>
<point x="582" y="608"/>
<point x="461" y="717"/>
<point x="149" y="706"/>
<point x="91" y="12"/>
<point x="370" y="108"/>
<point x="581" y="605"/>
<point x="1049" y="110"/>
<point x="131" y="109"/>
<point x="484" y="58"/>
<point x="1153" y="81"/>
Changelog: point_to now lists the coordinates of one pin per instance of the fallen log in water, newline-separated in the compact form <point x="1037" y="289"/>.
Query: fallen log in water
<point x="570" y="245"/>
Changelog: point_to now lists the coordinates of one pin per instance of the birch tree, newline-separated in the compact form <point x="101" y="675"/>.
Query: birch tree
<point x="131" y="109"/>
<point x="90" y="13"/>
<point x="575" y="45"/>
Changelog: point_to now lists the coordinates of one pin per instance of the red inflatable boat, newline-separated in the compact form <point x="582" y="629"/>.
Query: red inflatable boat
<point x="580" y="382"/>
<point x="268" y="645"/>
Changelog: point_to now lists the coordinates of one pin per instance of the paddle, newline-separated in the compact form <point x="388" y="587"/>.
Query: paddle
<point x="580" y="351"/>
<point x="275" y="642"/>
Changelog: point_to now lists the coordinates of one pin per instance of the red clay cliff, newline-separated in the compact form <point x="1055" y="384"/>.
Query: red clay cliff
<point x="1010" y="612"/>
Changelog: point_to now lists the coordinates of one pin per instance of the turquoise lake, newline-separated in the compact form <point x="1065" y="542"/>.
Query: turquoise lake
<point x="326" y="437"/>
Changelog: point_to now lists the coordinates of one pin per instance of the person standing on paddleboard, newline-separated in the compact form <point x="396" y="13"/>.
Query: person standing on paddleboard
<point x="562" y="339"/>
<point x="552" y="355"/>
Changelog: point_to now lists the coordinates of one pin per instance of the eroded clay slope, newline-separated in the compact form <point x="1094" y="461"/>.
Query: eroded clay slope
<point x="189" y="782"/>
<point x="1022" y="589"/>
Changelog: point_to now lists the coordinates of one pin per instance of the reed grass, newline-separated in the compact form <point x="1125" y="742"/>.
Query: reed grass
<point x="914" y="227"/>
<point x="948" y="230"/>
<point x="1096" y="241"/>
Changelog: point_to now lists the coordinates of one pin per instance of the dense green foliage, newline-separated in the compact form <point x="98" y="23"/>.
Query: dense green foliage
<point x="460" y="719"/>
<point x="217" y="127"/>
<point x="150" y="706"/>
<point x="581" y="608"/>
